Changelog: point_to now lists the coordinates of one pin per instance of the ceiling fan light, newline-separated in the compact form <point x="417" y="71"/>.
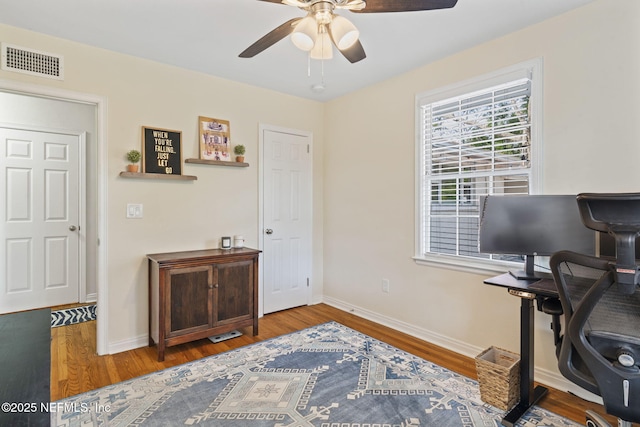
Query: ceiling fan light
<point x="305" y="34"/>
<point x="343" y="32"/>
<point x="322" y="49"/>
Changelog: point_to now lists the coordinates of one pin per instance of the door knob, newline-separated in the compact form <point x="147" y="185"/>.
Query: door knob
<point x="72" y="227"/>
<point x="268" y="231"/>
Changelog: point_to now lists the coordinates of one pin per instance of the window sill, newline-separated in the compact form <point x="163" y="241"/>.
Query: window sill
<point x="466" y="265"/>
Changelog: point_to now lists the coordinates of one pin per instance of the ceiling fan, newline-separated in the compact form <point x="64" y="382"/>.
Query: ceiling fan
<point x="322" y="27"/>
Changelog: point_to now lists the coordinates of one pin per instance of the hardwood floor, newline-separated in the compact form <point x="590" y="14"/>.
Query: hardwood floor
<point x="75" y="367"/>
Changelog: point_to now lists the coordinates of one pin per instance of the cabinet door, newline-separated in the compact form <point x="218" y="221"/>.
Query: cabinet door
<point x="233" y="299"/>
<point x="189" y="300"/>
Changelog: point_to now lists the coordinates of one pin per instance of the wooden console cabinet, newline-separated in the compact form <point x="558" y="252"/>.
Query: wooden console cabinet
<point x="198" y="294"/>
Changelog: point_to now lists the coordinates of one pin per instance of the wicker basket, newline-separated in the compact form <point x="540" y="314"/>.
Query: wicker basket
<point x="498" y="377"/>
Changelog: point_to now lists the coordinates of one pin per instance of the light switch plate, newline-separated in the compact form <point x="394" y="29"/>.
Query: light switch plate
<point x="134" y="210"/>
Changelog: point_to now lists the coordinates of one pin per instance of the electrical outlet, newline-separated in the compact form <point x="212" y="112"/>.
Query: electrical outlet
<point x="134" y="210"/>
<point x="385" y="286"/>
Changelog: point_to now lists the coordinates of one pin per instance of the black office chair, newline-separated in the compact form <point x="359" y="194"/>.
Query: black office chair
<point x="600" y="347"/>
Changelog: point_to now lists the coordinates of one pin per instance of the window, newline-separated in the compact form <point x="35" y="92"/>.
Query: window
<point x="474" y="139"/>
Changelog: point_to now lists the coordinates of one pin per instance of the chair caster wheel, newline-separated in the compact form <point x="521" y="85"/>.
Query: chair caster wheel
<point x="595" y="420"/>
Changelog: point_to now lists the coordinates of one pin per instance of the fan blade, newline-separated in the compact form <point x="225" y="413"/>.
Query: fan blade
<point x="376" y="6"/>
<point x="273" y="1"/>
<point x="270" y="38"/>
<point x="354" y="53"/>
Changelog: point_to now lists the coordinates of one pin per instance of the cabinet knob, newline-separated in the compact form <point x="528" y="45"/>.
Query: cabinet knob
<point x="215" y="286"/>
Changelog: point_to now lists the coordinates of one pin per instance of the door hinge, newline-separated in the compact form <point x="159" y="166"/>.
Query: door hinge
<point x="308" y="148"/>
<point x="307" y="282"/>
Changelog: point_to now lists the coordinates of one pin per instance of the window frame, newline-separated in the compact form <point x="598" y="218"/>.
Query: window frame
<point x="531" y="69"/>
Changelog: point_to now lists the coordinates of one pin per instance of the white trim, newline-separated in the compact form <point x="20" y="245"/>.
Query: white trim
<point x="82" y="223"/>
<point x="129" y="344"/>
<point x="537" y="135"/>
<point x="467" y="265"/>
<point x="531" y="69"/>
<point x="262" y="128"/>
<point x="494" y="78"/>
<point x="102" y="212"/>
<point x="102" y="289"/>
<point x="407" y="328"/>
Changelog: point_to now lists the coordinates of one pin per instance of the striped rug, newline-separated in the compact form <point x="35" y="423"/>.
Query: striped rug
<point x="70" y="316"/>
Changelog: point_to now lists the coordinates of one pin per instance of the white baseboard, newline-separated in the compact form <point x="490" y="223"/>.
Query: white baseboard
<point x="415" y="331"/>
<point x="543" y="376"/>
<point x="129" y="344"/>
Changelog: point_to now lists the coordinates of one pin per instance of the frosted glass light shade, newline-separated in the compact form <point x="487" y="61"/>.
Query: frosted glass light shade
<point x="343" y="32"/>
<point x="305" y="34"/>
<point x="322" y="49"/>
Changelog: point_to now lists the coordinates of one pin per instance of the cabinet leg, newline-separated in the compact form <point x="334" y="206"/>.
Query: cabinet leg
<point x="255" y="327"/>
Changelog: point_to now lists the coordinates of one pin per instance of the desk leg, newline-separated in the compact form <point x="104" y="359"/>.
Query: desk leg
<point x="529" y="395"/>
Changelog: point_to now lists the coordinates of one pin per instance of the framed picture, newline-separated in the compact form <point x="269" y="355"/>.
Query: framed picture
<point x="215" y="139"/>
<point x="161" y="151"/>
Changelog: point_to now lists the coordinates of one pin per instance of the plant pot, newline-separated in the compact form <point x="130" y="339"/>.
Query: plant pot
<point x="132" y="168"/>
<point x="240" y="159"/>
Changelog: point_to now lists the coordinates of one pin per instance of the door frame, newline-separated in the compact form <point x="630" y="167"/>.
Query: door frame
<point x="100" y="104"/>
<point x="261" y="130"/>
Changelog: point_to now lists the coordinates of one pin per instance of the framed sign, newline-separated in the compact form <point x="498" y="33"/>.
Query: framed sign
<point x="161" y="151"/>
<point x="214" y="139"/>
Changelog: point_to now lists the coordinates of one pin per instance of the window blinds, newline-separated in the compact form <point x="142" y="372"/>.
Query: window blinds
<point x="474" y="145"/>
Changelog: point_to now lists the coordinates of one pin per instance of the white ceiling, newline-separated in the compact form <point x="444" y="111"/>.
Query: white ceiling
<point x="207" y="36"/>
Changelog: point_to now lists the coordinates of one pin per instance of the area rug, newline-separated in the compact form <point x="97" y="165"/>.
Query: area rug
<point x="70" y="316"/>
<point x="324" y="376"/>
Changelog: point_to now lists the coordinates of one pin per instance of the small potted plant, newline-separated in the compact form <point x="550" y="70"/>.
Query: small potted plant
<point x="133" y="157"/>
<point x="238" y="150"/>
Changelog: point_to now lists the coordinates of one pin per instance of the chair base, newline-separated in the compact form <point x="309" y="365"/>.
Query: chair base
<point x="595" y="420"/>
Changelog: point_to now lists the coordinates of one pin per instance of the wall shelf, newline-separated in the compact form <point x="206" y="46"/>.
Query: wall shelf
<point x="217" y="163"/>
<point x="139" y="175"/>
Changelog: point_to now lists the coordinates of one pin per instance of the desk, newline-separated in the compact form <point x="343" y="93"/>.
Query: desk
<point x="527" y="290"/>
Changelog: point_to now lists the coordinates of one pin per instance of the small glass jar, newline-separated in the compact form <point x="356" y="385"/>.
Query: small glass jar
<point x="238" y="242"/>
<point x="226" y="242"/>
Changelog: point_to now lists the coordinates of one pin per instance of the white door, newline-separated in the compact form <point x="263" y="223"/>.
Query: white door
<point x="40" y="219"/>
<point x="287" y="210"/>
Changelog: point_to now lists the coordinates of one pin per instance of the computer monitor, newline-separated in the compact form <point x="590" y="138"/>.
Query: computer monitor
<point x="532" y="225"/>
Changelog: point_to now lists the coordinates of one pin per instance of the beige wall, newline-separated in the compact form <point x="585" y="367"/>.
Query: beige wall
<point x="177" y="215"/>
<point x="591" y="65"/>
<point x="363" y="169"/>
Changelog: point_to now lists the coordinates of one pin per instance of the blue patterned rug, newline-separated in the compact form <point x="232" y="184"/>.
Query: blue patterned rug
<point x="69" y="316"/>
<point x="324" y="376"/>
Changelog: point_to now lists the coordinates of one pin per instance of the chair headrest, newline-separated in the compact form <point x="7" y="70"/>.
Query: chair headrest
<point x="619" y="215"/>
<point x="607" y="211"/>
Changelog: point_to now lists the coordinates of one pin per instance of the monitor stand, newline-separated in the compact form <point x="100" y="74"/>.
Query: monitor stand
<point x="529" y="272"/>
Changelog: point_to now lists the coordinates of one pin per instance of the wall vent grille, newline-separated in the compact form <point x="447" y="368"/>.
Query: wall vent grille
<point x="32" y="62"/>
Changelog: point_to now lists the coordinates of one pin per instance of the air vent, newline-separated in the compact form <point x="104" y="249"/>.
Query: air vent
<point x="32" y="62"/>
